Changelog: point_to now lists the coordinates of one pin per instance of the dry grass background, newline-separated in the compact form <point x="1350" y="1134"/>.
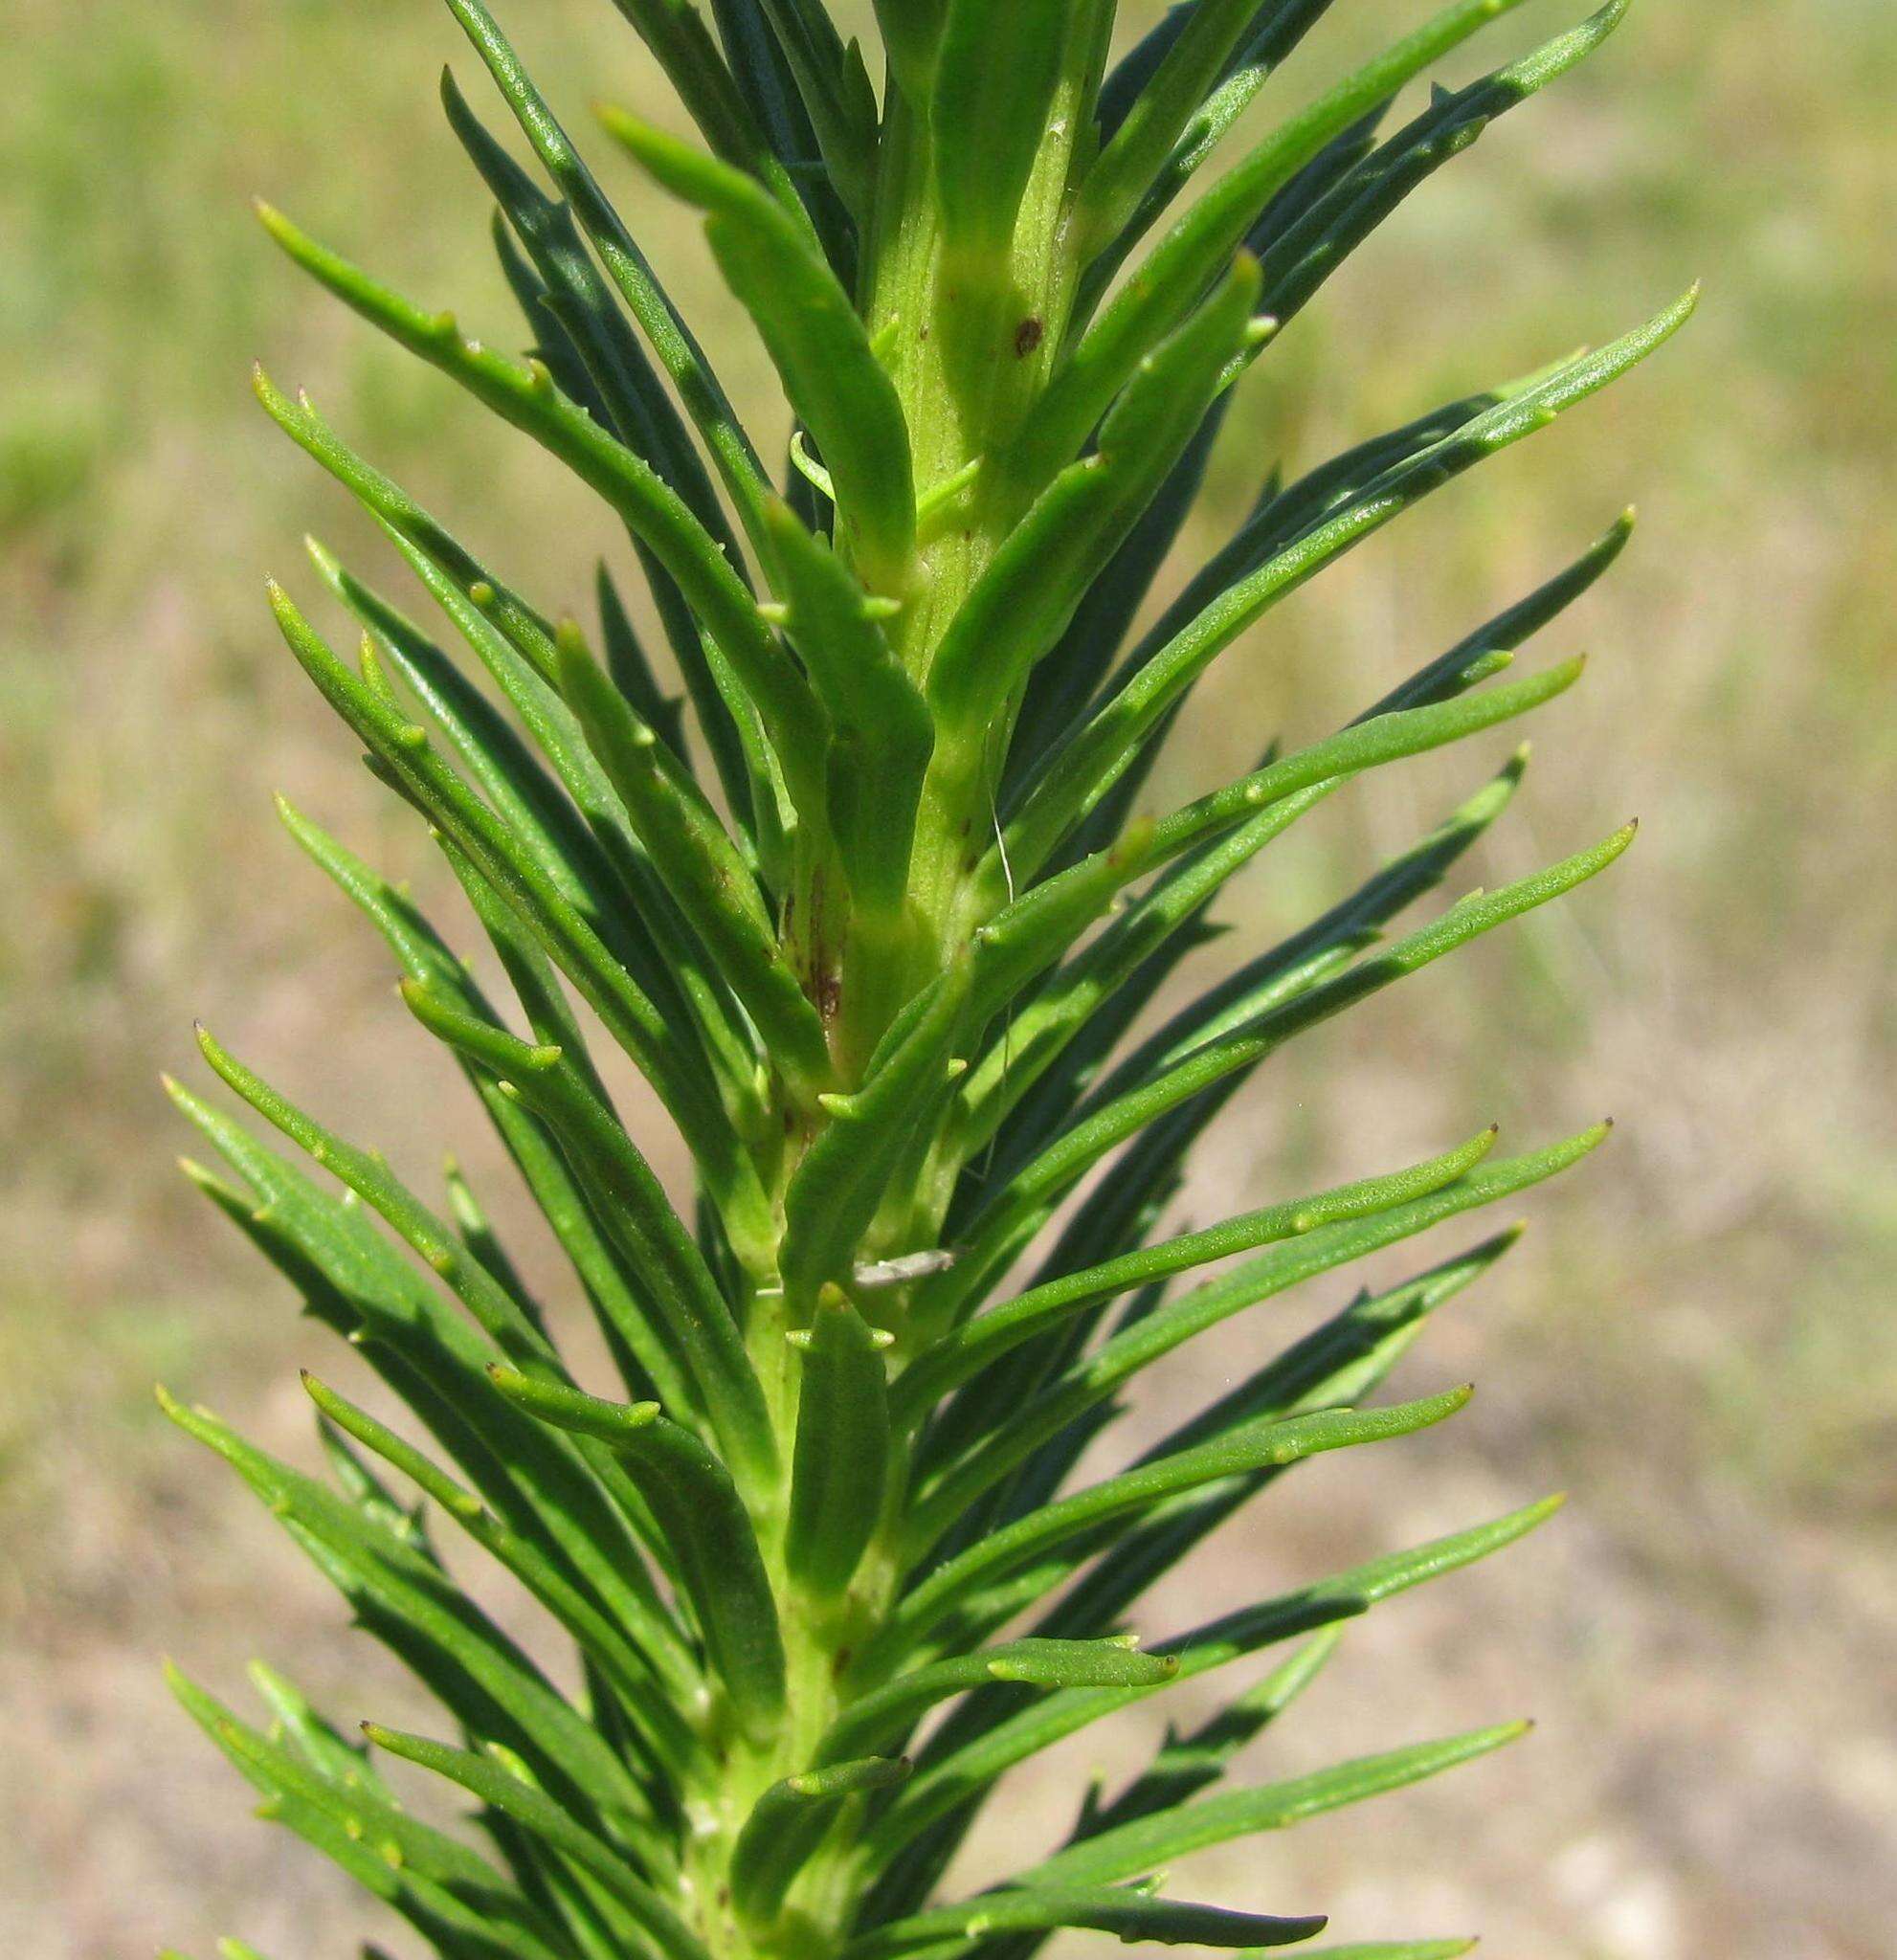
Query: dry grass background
<point x="1697" y="1337"/>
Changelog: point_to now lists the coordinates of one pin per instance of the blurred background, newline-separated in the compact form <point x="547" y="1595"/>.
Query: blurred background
<point x="1697" y="1337"/>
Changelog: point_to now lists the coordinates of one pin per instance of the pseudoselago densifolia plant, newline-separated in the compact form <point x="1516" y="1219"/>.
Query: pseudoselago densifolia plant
<point x="879" y="909"/>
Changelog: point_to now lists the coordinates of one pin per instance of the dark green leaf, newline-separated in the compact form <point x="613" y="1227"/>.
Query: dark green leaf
<point x="633" y="1209"/>
<point x="1132" y="1916"/>
<point x="701" y="869"/>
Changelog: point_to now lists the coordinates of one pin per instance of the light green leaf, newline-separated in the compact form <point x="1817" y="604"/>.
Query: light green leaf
<point x="1150" y="1842"/>
<point x="818" y="343"/>
<point x="655" y="1704"/>
<point x="788" y="1823"/>
<point x="1253" y="1447"/>
<point x="984" y="1340"/>
<point x="706" y="1524"/>
<point x="1079" y="775"/>
<point x="1174" y="276"/>
<point x="413" y="1608"/>
<point x="883" y="1717"/>
<point x="527" y="397"/>
<point x="996" y="66"/>
<point x="836" y="1189"/>
<point x="881" y="733"/>
<point x="958" y="1772"/>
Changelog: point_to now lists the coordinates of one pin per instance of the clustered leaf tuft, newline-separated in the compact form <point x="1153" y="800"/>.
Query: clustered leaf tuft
<point x="876" y="906"/>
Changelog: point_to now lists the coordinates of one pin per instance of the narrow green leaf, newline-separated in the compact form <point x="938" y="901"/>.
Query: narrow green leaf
<point x="1094" y="1379"/>
<point x="626" y="1011"/>
<point x="1233" y="826"/>
<point x="426" y="961"/>
<point x="632" y="401"/>
<point x="1258" y="1446"/>
<point x="357" y="1282"/>
<point x="1150" y="1842"/>
<point x="476" y="1230"/>
<point x="422" y="1875"/>
<point x="1197" y="250"/>
<point x="527" y="397"/>
<point x="678" y="353"/>
<point x="539" y="1814"/>
<point x="835" y="93"/>
<point x="1080" y="773"/>
<point x="476" y="1671"/>
<point x="816" y="342"/>
<point x="1157" y="116"/>
<point x="674" y="32"/>
<point x="634" y="675"/>
<point x="881" y="733"/>
<point x="960" y="1770"/>
<point x="883" y="1717"/>
<point x="1369" y="745"/>
<point x="632" y="1208"/>
<point x="996" y="66"/>
<point x="498" y="1315"/>
<point x="1256" y="985"/>
<point x="705" y="1521"/>
<point x="1064" y="680"/>
<point x="1025" y="1087"/>
<point x="786" y="1824"/>
<point x="323" y="1746"/>
<point x="985" y="1339"/>
<point x="584" y="839"/>
<point x="362" y="1810"/>
<point x="701" y="869"/>
<point x="1188" y="1764"/>
<point x="836" y="1189"/>
<point x="508" y="615"/>
<point x="1132" y="1916"/>
<point x="367" y="1174"/>
<point x="766" y="79"/>
<point x="841" y="1463"/>
<point x="1343" y="1363"/>
<point x="654" y="1703"/>
<point x="1010" y="1219"/>
<point x="1305" y="252"/>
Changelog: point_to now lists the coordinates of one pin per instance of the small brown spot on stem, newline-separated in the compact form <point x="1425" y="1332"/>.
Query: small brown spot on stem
<point x="1027" y="337"/>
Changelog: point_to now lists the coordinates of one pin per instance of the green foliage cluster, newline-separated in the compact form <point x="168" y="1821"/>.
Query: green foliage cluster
<point x="878" y="933"/>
